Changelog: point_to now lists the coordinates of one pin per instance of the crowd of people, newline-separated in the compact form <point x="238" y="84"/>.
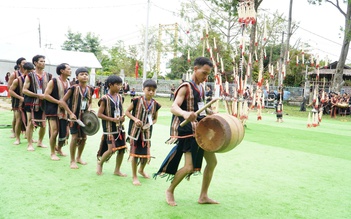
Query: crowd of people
<point x="125" y="88"/>
<point x="39" y="99"/>
<point x="332" y="103"/>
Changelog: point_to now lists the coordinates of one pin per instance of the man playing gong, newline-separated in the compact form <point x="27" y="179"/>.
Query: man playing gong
<point x="189" y="97"/>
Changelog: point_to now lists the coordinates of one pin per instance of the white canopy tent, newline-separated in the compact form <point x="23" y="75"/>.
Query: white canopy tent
<point x="10" y="53"/>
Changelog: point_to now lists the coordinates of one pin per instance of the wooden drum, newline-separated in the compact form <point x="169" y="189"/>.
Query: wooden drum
<point x="342" y="105"/>
<point x="219" y="133"/>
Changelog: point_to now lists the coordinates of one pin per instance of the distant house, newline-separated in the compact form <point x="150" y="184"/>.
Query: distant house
<point x="328" y="72"/>
<point x="10" y="53"/>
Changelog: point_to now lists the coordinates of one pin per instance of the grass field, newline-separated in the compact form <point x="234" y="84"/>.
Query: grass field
<point x="280" y="170"/>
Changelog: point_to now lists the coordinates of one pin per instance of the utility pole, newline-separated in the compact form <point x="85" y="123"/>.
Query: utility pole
<point x="288" y="35"/>
<point x="161" y="47"/>
<point x="146" y="41"/>
<point x="281" y="59"/>
<point x="39" y="34"/>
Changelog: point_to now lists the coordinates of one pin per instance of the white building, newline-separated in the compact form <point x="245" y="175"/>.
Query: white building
<point x="10" y="53"/>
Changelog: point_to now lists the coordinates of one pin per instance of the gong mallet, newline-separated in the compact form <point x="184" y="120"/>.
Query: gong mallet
<point x="200" y="110"/>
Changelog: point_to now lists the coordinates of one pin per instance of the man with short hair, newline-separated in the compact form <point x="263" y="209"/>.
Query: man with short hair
<point x="189" y="97"/>
<point x="16" y="92"/>
<point x="34" y="104"/>
<point x="55" y="114"/>
<point x="15" y="74"/>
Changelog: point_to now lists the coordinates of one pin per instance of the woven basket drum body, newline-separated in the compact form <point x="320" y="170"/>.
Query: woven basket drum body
<point x="219" y="133"/>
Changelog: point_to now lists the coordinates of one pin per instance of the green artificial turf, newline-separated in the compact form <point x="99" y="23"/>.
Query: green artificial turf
<point x="280" y="170"/>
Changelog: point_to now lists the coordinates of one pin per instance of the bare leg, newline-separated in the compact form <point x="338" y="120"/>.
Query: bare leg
<point x="13" y="130"/>
<point x="136" y="181"/>
<point x="178" y="177"/>
<point x="104" y="157"/>
<point x="53" y="137"/>
<point x="41" y="137"/>
<point x="99" y="168"/>
<point x="80" y="151"/>
<point x="58" y="149"/>
<point x="17" y="127"/>
<point x="142" y="167"/>
<point x="29" y="132"/>
<point x="72" y="150"/>
<point x="119" y="159"/>
<point x="211" y="162"/>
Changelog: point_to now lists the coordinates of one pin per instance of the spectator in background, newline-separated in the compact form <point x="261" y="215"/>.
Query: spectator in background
<point x="7" y="77"/>
<point x="105" y="88"/>
<point x="172" y="92"/>
<point x="247" y="93"/>
<point x="73" y="82"/>
<point x="279" y="106"/>
<point x="126" y="87"/>
<point x="132" y="92"/>
<point x="209" y="93"/>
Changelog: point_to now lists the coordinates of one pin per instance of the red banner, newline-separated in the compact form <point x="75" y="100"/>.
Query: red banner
<point x="136" y="69"/>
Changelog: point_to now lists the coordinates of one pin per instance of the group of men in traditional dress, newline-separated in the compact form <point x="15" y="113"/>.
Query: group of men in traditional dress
<point x="37" y="97"/>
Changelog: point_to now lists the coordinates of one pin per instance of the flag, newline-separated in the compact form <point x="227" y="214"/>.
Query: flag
<point x="136" y="69"/>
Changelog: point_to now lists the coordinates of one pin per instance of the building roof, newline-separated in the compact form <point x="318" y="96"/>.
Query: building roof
<point x="330" y="70"/>
<point x="10" y="53"/>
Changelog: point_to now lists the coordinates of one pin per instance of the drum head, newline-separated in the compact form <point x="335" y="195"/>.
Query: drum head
<point x="210" y="134"/>
<point x="219" y="133"/>
<point x="91" y="122"/>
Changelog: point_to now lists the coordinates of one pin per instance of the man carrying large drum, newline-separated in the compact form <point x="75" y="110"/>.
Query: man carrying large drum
<point x="187" y="105"/>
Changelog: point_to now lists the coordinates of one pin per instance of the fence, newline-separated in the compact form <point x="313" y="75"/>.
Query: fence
<point x="291" y="94"/>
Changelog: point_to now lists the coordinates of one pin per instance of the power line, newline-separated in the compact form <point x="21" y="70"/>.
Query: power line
<point x="121" y="36"/>
<point x="174" y="13"/>
<point x="72" y="8"/>
<point x="312" y="33"/>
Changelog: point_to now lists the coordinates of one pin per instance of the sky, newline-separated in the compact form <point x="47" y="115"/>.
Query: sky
<point x="114" y="20"/>
<point x="319" y="26"/>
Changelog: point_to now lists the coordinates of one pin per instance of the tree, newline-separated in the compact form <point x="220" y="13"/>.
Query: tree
<point x="119" y="59"/>
<point x="89" y="43"/>
<point x="74" y="41"/>
<point x="152" y="45"/>
<point x="338" y="81"/>
<point x="178" y="66"/>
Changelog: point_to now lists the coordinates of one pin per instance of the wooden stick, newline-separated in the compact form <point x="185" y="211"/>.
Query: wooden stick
<point x="199" y="111"/>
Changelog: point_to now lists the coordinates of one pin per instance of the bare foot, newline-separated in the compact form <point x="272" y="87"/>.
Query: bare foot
<point x="98" y="169"/>
<point x="12" y="135"/>
<point x="34" y="141"/>
<point x="54" y="157"/>
<point x="60" y="152"/>
<point x="81" y="161"/>
<point x="41" y="145"/>
<point x="170" y="198"/>
<point x="30" y="148"/>
<point x="207" y="200"/>
<point x="145" y="175"/>
<point x="17" y="142"/>
<point x="136" y="182"/>
<point x="74" y="165"/>
<point x="119" y="173"/>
